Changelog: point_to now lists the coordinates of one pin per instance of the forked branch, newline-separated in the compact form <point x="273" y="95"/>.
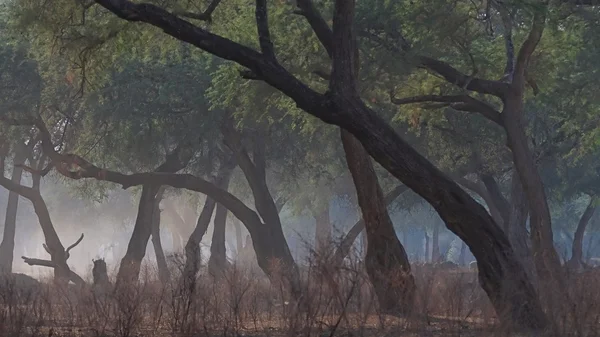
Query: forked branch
<point x="73" y="245"/>
<point x="458" y="102"/>
<point x="262" y="24"/>
<point x="204" y="16"/>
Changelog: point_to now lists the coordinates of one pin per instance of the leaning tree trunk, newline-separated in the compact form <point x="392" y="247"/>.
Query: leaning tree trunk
<point x="576" y="261"/>
<point x="217" y="263"/>
<point x="53" y="245"/>
<point x="7" y="247"/>
<point x="386" y="260"/>
<point x="193" y="257"/>
<point x="270" y="245"/>
<point x="161" y="261"/>
<point x="129" y="269"/>
<point x="348" y="240"/>
<point x="547" y="261"/>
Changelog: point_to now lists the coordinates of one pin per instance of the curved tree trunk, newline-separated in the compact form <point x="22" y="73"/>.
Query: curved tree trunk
<point x="348" y="240"/>
<point x="7" y="247"/>
<point x="270" y="245"/>
<point x="53" y="245"/>
<point x="163" y="269"/>
<point x="576" y="261"/>
<point x="193" y="257"/>
<point x="217" y="263"/>
<point x="386" y="260"/>
<point x="129" y="269"/>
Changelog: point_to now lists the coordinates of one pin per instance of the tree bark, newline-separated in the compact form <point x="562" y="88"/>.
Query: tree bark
<point x="217" y="263"/>
<point x="517" y="230"/>
<point x="7" y="247"/>
<point x="386" y="260"/>
<point x="576" y="262"/>
<point x="348" y="240"/>
<point x="129" y="269"/>
<point x="270" y="245"/>
<point x="497" y="198"/>
<point x="193" y="256"/>
<point x="163" y="269"/>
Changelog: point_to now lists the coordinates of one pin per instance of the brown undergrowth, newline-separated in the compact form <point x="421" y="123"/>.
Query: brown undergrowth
<point x="243" y="302"/>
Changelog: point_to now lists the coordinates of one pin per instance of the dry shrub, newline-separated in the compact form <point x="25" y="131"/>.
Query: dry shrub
<point x="334" y="301"/>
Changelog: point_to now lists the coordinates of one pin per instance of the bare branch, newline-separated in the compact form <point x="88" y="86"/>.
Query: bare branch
<point x="74" y="244"/>
<point x="38" y="262"/>
<point x="262" y="24"/>
<point x="205" y="16"/>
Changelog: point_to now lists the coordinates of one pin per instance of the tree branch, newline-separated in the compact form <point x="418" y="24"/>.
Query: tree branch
<point x="528" y="47"/>
<point x="74" y="245"/>
<point x="458" y="102"/>
<point x="204" y="16"/>
<point x="73" y="277"/>
<point x="317" y="23"/>
<point x="262" y="24"/>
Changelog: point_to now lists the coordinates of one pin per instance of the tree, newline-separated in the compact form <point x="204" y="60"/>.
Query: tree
<point x="499" y="270"/>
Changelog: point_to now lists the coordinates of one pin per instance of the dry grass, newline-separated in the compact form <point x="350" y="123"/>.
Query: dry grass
<point x="337" y="302"/>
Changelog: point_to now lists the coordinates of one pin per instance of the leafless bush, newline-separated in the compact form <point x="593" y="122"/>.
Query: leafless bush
<point x="336" y="300"/>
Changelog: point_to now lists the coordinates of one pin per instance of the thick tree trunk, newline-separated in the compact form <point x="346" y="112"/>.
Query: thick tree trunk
<point x="129" y="270"/>
<point x="322" y="230"/>
<point x="576" y="261"/>
<point x="272" y="251"/>
<point x="546" y="258"/>
<point x="386" y="260"/>
<point x="7" y="247"/>
<point x="497" y="198"/>
<point x="348" y="240"/>
<point x="163" y="269"/>
<point x="193" y="256"/>
<point x="517" y="230"/>
<point x="217" y="263"/>
<point x="435" y="244"/>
